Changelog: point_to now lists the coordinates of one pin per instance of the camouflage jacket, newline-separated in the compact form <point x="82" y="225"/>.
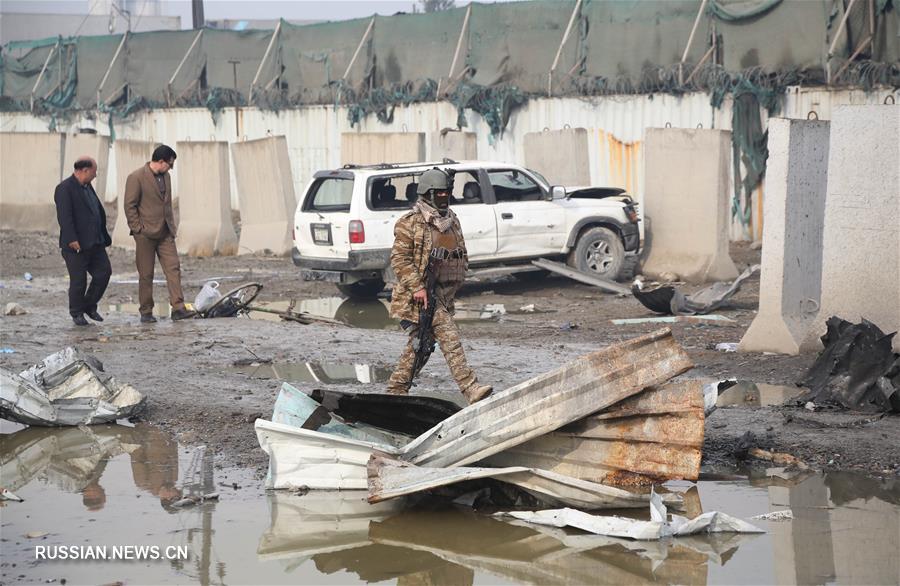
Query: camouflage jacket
<point x="409" y="259"/>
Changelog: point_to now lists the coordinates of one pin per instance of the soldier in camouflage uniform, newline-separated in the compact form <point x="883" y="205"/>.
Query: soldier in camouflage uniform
<point x="431" y="225"/>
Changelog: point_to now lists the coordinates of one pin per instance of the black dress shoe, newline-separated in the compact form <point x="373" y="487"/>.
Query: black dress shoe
<point x="94" y="315"/>
<point x="79" y="320"/>
<point x="147" y="318"/>
<point x="182" y="313"/>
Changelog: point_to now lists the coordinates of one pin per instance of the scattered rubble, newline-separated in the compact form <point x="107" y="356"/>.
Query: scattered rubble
<point x="857" y="369"/>
<point x="13" y="308"/>
<point x="667" y="299"/>
<point x="658" y="527"/>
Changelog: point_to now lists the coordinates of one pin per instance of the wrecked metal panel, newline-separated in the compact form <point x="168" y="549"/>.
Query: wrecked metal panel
<point x="408" y="414"/>
<point x="549" y="401"/>
<point x="295" y="408"/>
<point x="581" y="276"/>
<point x="672" y="397"/>
<point x="389" y="478"/>
<point x="300" y="457"/>
<point x="683" y="429"/>
<point x="66" y="388"/>
<point x="610" y="462"/>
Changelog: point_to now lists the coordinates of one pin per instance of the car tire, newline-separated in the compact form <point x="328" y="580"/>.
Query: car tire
<point x="367" y="289"/>
<point x="599" y="251"/>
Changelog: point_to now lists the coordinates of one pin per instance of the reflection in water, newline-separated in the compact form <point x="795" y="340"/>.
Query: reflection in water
<point x="846" y="528"/>
<point x="370" y="314"/>
<point x="75" y="458"/>
<point x="750" y="394"/>
<point x="833" y="515"/>
<point x="317" y="372"/>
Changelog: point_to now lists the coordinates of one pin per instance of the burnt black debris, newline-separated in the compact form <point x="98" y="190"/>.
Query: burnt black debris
<point x="857" y="369"/>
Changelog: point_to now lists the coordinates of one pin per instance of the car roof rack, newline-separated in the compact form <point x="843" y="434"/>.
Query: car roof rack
<point x="383" y="166"/>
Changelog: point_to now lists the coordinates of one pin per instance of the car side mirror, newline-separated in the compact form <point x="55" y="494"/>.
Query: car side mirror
<point x="557" y="192"/>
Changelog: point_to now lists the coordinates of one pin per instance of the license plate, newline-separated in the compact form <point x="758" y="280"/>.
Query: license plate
<point x="321" y="233"/>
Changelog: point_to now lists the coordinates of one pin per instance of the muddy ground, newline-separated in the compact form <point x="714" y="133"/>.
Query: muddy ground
<point x="183" y="367"/>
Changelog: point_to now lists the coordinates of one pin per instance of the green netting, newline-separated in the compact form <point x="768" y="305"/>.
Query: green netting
<point x="739" y="10"/>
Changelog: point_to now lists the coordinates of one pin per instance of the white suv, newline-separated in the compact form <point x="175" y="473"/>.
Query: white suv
<point x="344" y="224"/>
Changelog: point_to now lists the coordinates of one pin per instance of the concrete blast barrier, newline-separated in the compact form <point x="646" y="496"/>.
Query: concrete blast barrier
<point x="90" y="145"/>
<point x="559" y="155"/>
<point x="204" y="200"/>
<point x="459" y="146"/>
<point x="372" y="148"/>
<point x="790" y="286"/>
<point x="687" y="204"/>
<point x="266" y="194"/>
<point x="861" y="241"/>
<point x="130" y="155"/>
<point x="32" y="168"/>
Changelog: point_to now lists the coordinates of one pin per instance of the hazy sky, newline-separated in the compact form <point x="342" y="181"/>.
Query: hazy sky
<point x="235" y="9"/>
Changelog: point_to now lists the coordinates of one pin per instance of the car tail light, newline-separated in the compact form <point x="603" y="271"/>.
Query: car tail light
<point x="357" y="232"/>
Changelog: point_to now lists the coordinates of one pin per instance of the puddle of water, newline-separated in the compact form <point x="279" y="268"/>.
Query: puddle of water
<point x="116" y="486"/>
<point x="317" y="372"/>
<point x="750" y="394"/>
<point x="371" y="314"/>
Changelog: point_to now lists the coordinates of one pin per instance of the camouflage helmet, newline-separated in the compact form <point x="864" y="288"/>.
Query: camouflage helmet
<point x="433" y="179"/>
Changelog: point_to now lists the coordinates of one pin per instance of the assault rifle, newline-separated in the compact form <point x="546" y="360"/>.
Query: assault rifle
<point x="424" y="342"/>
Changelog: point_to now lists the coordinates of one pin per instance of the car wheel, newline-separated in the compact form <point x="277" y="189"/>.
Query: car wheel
<point x="362" y="289"/>
<point x="599" y="251"/>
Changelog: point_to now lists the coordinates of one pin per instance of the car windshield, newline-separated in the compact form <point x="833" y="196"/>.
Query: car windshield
<point x="540" y="178"/>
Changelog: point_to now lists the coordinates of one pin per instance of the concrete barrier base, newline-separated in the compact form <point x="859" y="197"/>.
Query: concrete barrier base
<point x="790" y="285"/>
<point x="130" y="155"/>
<point x="32" y="168"/>
<point x="372" y="148"/>
<point x="265" y="186"/>
<point x="687" y="204"/>
<point x="559" y="155"/>
<point x="861" y="241"/>
<point x="204" y="202"/>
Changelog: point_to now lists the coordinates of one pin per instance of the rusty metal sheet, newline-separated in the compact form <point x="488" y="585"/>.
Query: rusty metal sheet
<point x="549" y="401"/>
<point x="672" y="397"/>
<point x="606" y="461"/>
<point x="390" y="478"/>
<point x="682" y="429"/>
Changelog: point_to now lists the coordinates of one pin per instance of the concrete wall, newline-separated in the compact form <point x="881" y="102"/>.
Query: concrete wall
<point x="266" y="192"/>
<point x="91" y="145"/>
<point x="371" y="148"/>
<point x="32" y="168"/>
<point x="861" y="242"/>
<point x="204" y="202"/>
<point x="130" y="155"/>
<point x="790" y="285"/>
<point x="687" y="204"/>
<point x="559" y="155"/>
<point x="459" y="146"/>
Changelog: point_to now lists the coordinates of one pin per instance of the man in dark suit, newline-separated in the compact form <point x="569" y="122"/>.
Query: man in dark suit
<point x="148" y="210"/>
<point x="83" y="239"/>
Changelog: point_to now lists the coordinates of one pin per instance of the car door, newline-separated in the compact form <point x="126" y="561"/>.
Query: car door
<point x="476" y="218"/>
<point x="527" y="224"/>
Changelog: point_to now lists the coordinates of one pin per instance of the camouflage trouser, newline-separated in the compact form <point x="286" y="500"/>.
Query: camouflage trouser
<point x="447" y="335"/>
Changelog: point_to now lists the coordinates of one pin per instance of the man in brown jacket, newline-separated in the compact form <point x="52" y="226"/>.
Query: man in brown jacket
<point x="431" y="230"/>
<point x="148" y="210"/>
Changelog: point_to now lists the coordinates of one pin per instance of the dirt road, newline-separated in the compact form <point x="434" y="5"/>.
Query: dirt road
<point x="185" y="367"/>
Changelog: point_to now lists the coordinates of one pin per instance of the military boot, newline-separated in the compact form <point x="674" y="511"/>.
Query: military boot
<point x="477" y="392"/>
